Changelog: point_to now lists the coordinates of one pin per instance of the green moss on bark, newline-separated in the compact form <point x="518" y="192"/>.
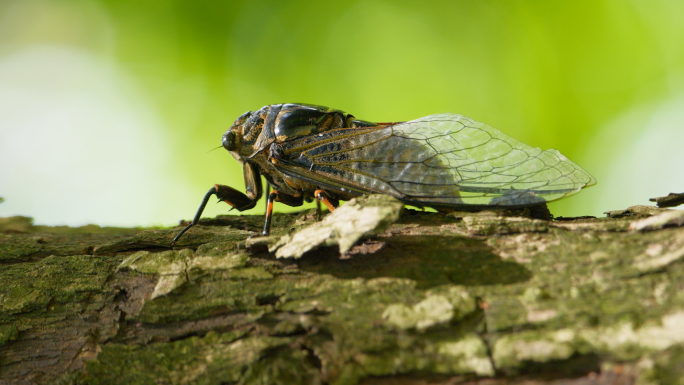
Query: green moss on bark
<point x="455" y="295"/>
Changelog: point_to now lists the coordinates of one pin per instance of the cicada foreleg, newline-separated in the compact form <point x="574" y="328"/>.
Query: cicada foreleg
<point x="226" y="194"/>
<point x="233" y="197"/>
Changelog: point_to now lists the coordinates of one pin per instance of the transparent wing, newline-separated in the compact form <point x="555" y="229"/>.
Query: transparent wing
<point x="438" y="160"/>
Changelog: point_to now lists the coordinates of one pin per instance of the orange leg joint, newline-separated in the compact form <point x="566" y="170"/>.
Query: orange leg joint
<point x="320" y="195"/>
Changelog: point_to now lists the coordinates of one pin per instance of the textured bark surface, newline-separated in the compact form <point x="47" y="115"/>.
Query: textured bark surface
<point x="423" y="298"/>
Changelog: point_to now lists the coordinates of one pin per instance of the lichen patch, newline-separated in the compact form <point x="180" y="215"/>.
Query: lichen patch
<point x="359" y="218"/>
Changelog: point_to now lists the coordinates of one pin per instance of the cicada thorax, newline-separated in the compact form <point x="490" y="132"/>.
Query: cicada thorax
<point x="280" y="123"/>
<point x="299" y="120"/>
<point x="256" y="137"/>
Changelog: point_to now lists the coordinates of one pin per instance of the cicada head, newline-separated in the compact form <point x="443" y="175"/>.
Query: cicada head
<point x="242" y="136"/>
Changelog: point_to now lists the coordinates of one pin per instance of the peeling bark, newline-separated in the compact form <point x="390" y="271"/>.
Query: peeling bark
<point x="670" y="200"/>
<point x="459" y="298"/>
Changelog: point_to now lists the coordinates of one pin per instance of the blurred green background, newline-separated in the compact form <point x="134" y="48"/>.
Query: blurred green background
<point x="108" y="109"/>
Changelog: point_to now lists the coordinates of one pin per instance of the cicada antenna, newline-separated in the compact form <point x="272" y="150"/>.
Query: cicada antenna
<point x="213" y="149"/>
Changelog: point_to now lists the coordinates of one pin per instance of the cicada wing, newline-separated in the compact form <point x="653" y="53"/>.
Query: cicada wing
<point x="439" y="160"/>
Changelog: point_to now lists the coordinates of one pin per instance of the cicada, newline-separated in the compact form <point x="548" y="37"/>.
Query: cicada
<point x="445" y="161"/>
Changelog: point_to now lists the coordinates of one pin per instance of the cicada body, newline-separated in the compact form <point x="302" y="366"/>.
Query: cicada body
<point x="444" y="161"/>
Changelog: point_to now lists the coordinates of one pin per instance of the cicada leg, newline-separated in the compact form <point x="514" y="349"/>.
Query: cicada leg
<point x="318" y="210"/>
<point x="329" y="203"/>
<point x="226" y="194"/>
<point x="267" y="192"/>
<point x="233" y="197"/>
<point x="277" y="196"/>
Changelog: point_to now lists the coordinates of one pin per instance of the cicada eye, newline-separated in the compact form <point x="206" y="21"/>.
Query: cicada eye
<point x="229" y="142"/>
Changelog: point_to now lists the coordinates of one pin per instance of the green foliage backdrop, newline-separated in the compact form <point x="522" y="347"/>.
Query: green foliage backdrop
<point x="552" y="74"/>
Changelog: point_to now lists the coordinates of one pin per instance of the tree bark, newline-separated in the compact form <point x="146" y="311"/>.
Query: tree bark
<point x="425" y="297"/>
